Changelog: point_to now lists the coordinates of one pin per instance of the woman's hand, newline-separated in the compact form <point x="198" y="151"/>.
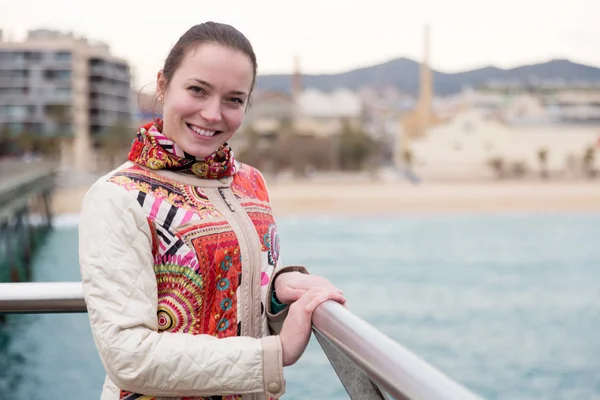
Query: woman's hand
<point x="296" y="329"/>
<point x="290" y="286"/>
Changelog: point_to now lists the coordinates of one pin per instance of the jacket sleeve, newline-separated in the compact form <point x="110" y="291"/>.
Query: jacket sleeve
<point x="120" y="290"/>
<point x="275" y="318"/>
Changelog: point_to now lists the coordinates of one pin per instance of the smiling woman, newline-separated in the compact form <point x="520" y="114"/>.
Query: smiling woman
<point x="205" y="98"/>
<point x="187" y="294"/>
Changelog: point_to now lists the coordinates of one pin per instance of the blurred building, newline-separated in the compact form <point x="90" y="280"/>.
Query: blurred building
<point x="473" y="141"/>
<point x="545" y="102"/>
<point x="55" y="83"/>
<point x="306" y="111"/>
<point x="323" y="114"/>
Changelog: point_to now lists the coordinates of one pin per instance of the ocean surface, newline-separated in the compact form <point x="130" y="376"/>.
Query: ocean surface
<point x="508" y="305"/>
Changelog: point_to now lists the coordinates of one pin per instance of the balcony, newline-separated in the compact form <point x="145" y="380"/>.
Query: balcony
<point x="9" y="81"/>
<point x="109" y="71"/>
<point x="109" y="104"/>
<point x="108" y="119"/>
<point x="110" y="89"/>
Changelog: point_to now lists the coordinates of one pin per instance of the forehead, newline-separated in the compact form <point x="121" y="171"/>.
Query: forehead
<point x="223" y="68"/>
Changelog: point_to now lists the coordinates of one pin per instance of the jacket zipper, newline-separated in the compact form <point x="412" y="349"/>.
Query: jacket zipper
<point x="248" y="244"/>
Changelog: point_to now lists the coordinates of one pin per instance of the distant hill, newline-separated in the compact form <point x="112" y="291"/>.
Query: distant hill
<point x="403" y="73"/>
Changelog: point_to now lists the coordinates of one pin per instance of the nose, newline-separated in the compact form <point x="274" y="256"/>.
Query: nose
<point x="211" y="110"/>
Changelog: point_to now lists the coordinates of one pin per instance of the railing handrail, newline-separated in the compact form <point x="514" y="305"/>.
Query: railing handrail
<point x="41" y="297"/>
<point x="393" y="368"/>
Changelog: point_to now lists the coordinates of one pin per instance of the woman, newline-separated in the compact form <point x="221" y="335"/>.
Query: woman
<point x="186" y="293"/>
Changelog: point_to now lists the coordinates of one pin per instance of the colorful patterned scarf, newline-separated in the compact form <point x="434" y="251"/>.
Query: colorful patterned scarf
<point x="152" y="149"/>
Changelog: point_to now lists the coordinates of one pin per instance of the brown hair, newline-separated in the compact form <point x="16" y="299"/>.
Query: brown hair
<point x="208" y="32"/>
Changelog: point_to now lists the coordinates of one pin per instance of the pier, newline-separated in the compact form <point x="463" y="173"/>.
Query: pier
<point x="25" y="215"/>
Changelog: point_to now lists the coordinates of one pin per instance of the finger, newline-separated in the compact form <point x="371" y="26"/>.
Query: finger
<point x="314" y="303"/>
<point x="323" y="297"/>
<point x="315" y="292"/>
<point x="294" y="294"/>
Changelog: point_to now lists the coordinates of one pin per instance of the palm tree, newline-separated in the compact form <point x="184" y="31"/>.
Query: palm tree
<point x="407" y="157"/>
<point x="543" y="159"/>
<point x="6" y="140"/>
<point x="498" y="165"/>
<point x="61" y="115"/>
<point x="355" y="147"/>
<point x="250" y="152"/>
<point x="115" y="143"/>
<point x="28" y="142"/>
<point x="588" y="161"/>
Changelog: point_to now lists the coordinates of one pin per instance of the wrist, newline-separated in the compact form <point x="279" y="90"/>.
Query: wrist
<point x="277" y="280"/>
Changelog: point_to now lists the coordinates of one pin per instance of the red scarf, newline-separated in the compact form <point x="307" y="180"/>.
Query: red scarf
<point x="152" y="149"/>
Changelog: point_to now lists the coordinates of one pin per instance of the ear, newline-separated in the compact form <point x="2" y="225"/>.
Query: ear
<point x="161" y="83"/>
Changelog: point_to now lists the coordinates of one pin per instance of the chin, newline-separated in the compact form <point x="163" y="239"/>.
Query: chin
<point x="201" y="151"/>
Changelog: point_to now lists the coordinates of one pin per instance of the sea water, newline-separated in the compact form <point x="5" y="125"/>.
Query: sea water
<point x="508" y="305"/>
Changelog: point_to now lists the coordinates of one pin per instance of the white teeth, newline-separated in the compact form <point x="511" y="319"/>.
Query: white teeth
<point x="202" y="131"/>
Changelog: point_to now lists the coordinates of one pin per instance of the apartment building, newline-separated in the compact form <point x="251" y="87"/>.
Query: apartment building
<point x="55" y="83"/>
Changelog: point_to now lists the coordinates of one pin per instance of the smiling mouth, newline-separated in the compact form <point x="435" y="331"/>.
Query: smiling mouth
<point x="202" y="132"/>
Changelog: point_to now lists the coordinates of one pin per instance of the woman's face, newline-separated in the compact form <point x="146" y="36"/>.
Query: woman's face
<point x="205" y="101"/>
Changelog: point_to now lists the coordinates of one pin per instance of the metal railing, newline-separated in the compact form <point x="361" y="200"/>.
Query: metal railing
<point x="41" y="297"/>
<point x="394" y="369"/>
<point x="17" y="186"/>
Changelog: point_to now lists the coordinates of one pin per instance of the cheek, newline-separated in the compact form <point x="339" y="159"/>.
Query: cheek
<point x="182" y="105"/>
<point x="234" y="118"/>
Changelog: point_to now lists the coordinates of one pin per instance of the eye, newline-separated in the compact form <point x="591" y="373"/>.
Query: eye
<point x="196" y="90"/>
<point x="237" y="100"/>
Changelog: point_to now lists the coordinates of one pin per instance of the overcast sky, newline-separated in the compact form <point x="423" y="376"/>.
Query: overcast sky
<point x="331" y="35"/>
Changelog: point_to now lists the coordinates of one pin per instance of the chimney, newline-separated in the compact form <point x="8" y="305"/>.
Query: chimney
<point x="425" y="104"/>
<point x="296" y="79"/>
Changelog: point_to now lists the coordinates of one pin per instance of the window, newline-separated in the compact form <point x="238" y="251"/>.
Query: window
<point x="64" y="74"/>
<point x="18" y="56"/>
<point x="61" y="74"/>
<point x="15" y="127"/>
<point x="16" y="112"/>
<point x="35" y="128"/>
<point x="13" y="91"/>
<point x="14" y="73"/>
<point x="34" y="56"/>
<point x="62" y="56"/>
<point x="63" y="92"/>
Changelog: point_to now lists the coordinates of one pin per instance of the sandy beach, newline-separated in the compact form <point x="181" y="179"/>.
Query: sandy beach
<point x="380" y="198"/>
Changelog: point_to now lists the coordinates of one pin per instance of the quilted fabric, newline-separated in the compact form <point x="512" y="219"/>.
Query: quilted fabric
<point x="143" y="352"/>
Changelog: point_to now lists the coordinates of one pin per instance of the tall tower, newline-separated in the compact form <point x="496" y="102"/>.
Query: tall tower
<point x="425" y="102"/>
<point x="415" y="124"/>
<point x="296" y="79"/>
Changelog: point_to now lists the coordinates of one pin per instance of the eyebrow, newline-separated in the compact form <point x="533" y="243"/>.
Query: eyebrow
<point x="208" y="85"/>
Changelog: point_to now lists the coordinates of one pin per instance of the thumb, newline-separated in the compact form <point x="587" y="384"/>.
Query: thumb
<point x="289" y="295"/>
<point x="296" y="293"/>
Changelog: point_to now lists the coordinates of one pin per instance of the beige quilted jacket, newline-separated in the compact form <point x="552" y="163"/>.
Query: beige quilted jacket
<point x="167" y="325"/>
